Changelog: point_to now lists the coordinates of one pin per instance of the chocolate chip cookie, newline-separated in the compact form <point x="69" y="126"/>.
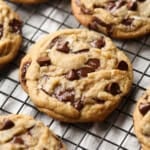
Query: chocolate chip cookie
<point x="76" y="75"/>
<point x="121" y="19"/>
<point x="20" y="132"/>
<point x="10" y="34"/>
<point x="142" y="120"/>
<point x="29" y="1"/>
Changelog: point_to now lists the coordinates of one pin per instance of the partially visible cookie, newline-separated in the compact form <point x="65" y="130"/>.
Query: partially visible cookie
<point x="20" y="132"/>
<point x="29" y="1"/>
<point x="10" y="34"/>
<point x="141" y="118"/>
<point x="123" y="19"/>
<point x="76" y="75"/>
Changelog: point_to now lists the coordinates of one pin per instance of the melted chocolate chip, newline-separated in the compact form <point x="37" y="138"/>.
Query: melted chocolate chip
<point x="93" y="62"/>
<point x="83" y="72"/>
<point x="120" y="3"/>
<point x="141" y="0"/>
<point x="97" y="6"/>
<point x="127" y="21"/>
<point x="113" y="88"/>
<point x="123" y="65"/>
<point x="63" y="47"/>
<point x="1" y="30"/>
<point x="100" y="101"/>
<point x="8" y="124"/>
<point x="24" y="70"/>
<point x="97" y="21"/>
<point x="81" y="51"/>
<point x="53" y="41"/>
<point x="110" y="5"/>
<point x="78" y="104"/>
<point x="44" y="61"/>
<point x="98" y="43"/>
<point x="16" y="26"/>
<point x="72" y="75"/>
<point x="144" y="108"/>
<point x="85" y="10"/>
<point x="146" y="97"/>
<point x="18" y="140"/>
<point x="132" y="5"/>
<point x="93" y="25"/>
<point x="64" y="95"/>
<point x="100" y="22"/>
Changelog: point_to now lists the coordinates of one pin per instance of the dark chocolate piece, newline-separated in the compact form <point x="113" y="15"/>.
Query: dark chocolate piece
<point x="72" y="75"/>
<point x="93" y="62"/>
<point x="16" y="26"/>
<point x="8" y="124"/>
<point x="44" y="61"/>
<point x="83" y="72"/>
<point x="122" y="65"/>
<point x="144" y="108"/>
<point x="113" y="88"/>
<point x="98" y="43"/>
<point x="24" y="70"/>
<point x="63" y="47"/>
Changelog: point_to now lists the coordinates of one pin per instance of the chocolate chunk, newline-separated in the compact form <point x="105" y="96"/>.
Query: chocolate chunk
<point x="64" y="95"/>
<point x="85" y="10"/>
<point x="98" y="43"/>
<point x="100" y="22"/>
<point x="113" y="88"/>
<point x="97" y="22"/>
<point x="81" y="51"/>
<point x="110" y="5"/>
<point x="63" y="47"/>
<point x="54" y="41"/>
<point x="44" y="61"/>
<point x="97" y="6"/>
<point x="132" y="5"/>
<point x="98" y="100"/>
<point x="16" y="26"/>
<point x="24" y="70"/>
<point x="83" y="72"/>
<point x="18" y="140"/>
<point x="93" y="25"/>
<point x="123" y="65"/>
<point x="93" y="62"/>
<point x="141" y="0"/>
<point x="72" y="75"/>
<point x="1" y="30"/>
<point x="120" y="3"/>
<point x="127" y="21"/>
<point x="78" y="104"/>
<point x="8" y="124"/>
<point x="144" y="108"/>
<point x="146" y="97"/>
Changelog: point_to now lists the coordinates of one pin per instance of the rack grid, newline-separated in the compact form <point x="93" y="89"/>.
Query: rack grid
<point x="116" y="132"/>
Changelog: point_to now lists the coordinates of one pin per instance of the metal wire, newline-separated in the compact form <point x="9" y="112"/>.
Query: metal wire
<point x="116" y="132"/>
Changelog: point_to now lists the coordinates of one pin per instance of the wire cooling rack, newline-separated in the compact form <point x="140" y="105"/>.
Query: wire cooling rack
<point x="115" y="133"/>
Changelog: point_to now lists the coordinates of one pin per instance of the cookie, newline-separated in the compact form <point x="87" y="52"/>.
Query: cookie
<point x="20" y="132"/>
<point x="10" y="34"/>
<point x="29" y="1"/>
<point x="141" y="118"/>
<point x="122" y="19"/>
<point x="76" y="75"/>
